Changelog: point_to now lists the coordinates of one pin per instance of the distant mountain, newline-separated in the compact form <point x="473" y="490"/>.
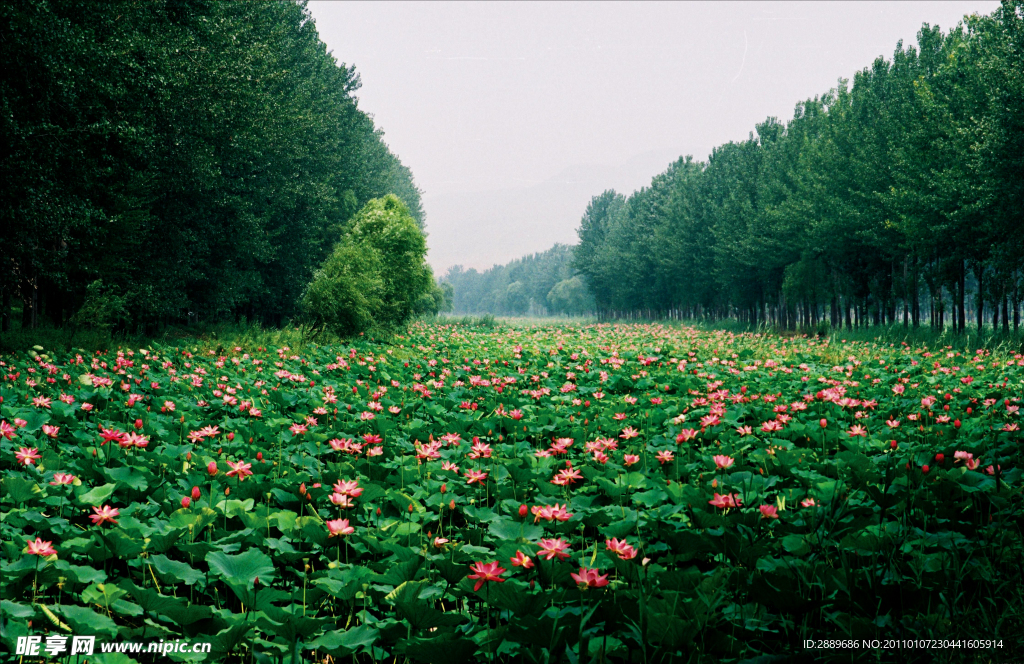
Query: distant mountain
<point x="484" y="228"/>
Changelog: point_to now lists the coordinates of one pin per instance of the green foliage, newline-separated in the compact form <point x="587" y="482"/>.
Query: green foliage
<point x="521" y="287"/>
<point x="102" y="309"/>
<point x="199" y="158"/>
<point x="570" y="296"/>
<point x="893" y="197"/>
<point x="375" y="277"/>
<point x="345" y="292"/>
<point x="636" y="432"/>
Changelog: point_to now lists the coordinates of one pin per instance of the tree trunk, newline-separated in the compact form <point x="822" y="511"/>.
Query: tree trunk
<point x="979" y="272"/>
<point x="961" y="297"/>
<point x="5" y="310"/>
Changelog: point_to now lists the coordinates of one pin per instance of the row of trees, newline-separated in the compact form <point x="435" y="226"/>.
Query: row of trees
<point x="176" y="159"/>
<point x="537" y="285"/>
<point x="898" y="197"/>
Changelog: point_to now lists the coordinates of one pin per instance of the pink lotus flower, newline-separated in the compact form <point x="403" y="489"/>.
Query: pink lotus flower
<point x="475" y="476"/>
<point x="722" y="461"/>
<point x="665" y="456"/>
<point x="554" y="512"/>
<point x="439" y="542"/>
<point x="521" y="560"/>
<point x="51" y="431"/>
<point x="857" y="430"/>
<point x="27" y="455"/>
<point x="298" y="429"/>
<point x="589" y="578"/>
<point x="486" y="572"/>
<point x="630" y="459"/>
<point x="239" y="468"/>
<point x="339" y="527"/>
<point x="348" y="488"/>
<point x="629" y="432"/>
<point x="60" y="479"/>
<point x="725" y="501"/>
<point x="341" y="500"/>
<point x="808" y="502"/>
<point x="549" y="548"/>
<point x="104" y="515"/>
<point x="40" y="548"/>
<point x="686" y="435"/>
<point x="7" y="431"/>
<point x="710" y="421"/>
<point x="769" y="512"/>
<point x="621" y="548"/>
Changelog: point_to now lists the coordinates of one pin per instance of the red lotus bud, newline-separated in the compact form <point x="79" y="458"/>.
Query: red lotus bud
<point x="956" y="423"/>
<point x="823" y="422"/>
<point x="892" y="444"/>
<point x="188" y="456"/>
<point x="444" y="487"/>
<point x="939" y="458"/>
<point x="355" y="390"/>
<point x="259" y="456"/>
<point x="227" y="490"/>
<point x="451" y="505"/>
<point x="185" y="501"/>
<point x="302" y="489"/>
<point x="908" y="465"/>
<point x="138" y="424"/>
<point x="969" y="411"/>
<point x="256" y="581"/>
<point x="925" y="469"/>
<point x="522" y="510"/>
<point x="94" y="451"/>
<point x="410" y="508"/>
<point x="195" y="493"/>
<point x="946" y="407"/>
<point x="220" y="450"/>
<point x="212" y="468"/>
<point x="231" y="436"/>
<point x="378" y="511"/>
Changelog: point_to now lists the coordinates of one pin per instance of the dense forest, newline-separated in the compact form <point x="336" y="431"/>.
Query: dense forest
<point x="537" y="285"/>
<point x="176" y="160"/>
<point x="895" y="198"/>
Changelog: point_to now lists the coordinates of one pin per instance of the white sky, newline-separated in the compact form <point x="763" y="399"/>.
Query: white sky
<point x="512" y="115"/>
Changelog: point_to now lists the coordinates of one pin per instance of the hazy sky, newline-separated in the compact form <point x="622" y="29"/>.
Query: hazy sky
<point x="512" y="115"/>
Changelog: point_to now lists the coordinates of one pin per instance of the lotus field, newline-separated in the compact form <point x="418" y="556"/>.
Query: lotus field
<point x="557" y="493"/>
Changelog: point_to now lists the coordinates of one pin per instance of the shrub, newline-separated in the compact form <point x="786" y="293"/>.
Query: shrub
<point x="345" y="294"/>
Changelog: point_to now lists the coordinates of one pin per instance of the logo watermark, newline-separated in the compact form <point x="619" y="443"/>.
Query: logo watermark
<point x="56" y="645"/>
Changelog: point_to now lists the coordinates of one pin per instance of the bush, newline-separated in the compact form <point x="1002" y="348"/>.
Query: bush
<point x="103" y="308"/>
<point x="346" y="292"/>
<point x="375" y="278"/>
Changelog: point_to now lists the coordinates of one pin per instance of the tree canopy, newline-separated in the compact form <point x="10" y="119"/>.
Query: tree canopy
<point x="197" y="159"/>
<point x="893" y="197"/>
